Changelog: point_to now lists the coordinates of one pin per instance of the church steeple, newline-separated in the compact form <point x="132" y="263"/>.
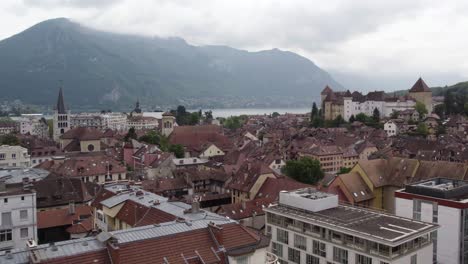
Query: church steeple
<point x="60" y="102"/>
<point x="137" y="109"/>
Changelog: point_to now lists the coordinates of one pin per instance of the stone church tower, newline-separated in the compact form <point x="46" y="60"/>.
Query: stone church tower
<point x="421" y="93"/>
<point x="168" y="123"/>
<point x="61" y="117"/>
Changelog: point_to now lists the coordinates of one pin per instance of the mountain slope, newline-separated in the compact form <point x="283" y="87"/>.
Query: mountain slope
<point x="101" y="69"/>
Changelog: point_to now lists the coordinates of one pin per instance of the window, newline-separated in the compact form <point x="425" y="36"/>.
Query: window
<point x="417" y="209"/>
<point x="340" y="255"/>
<point x="319" y="249"/>
<point x="312" y="259"/>
<point x="414" y="259"/>
<point x="282" y="236"/>
<point x="360" y="259"/>
<point x="294" y="255"/>
<point x="6" y="219"/>
<point x="277" y="249"/>
<point x="22" y="198"/>
<point x="24" y="232"/>
<point x="5" y="200"/>
<point x="90" y="147"/>
<point x="242" y="260"/>
<point x="13" y="155"/>
<point x="268" y="230"/>
<point x="2" y="156"/>
<point x="435" y="213"/>
<point x="5" y="235"/>
<point x="300" y="242"/>
<point x="24" y="214"/>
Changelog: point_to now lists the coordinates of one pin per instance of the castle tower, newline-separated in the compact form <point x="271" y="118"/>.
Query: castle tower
<point x="421" y="93"/>
<point x="61" y="120"/>
<point x="168" y="122"/>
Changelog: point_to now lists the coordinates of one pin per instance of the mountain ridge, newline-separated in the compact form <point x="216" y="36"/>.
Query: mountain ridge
<point x="103" y="69"/>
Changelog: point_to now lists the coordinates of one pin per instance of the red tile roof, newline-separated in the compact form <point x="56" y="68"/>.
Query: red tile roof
<point x="198" y="138"/>
<point x="135" y="214"/>
<point x="83" y="133"/>
<point x="61" y="217"/>
<point x="419" y="86"/>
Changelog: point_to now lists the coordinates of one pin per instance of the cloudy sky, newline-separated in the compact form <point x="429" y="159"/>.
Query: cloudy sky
<point x="365" y="45"/>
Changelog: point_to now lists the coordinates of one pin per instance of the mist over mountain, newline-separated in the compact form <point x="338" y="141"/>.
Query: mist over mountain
<point x="101" y="69"/>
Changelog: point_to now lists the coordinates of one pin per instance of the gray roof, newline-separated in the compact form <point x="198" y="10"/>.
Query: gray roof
<point x="365" y="223"/>
<point x="16" y="175"/>
<point x="60" y="103"/>
<point x="78" y="246"/>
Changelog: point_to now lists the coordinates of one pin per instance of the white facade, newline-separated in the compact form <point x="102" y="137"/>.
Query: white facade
<point x="18" y="222"/>
<point x="258" y="256"/>
<point x="391" y="128"/>
<point x="61" y="124"/>
<point x="86" y="120"/>
<point x="449" y="237"/>
<point x="115" y="121"/>
<point x="308" y="226"/>
<point x="14" y="156"/>
<point x="386" y="108"/>
<point x="33" y="125"/>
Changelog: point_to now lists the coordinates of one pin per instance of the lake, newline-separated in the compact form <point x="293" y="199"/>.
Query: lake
<point x="254" y="111"/>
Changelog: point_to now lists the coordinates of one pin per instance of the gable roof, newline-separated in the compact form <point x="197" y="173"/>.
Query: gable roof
<point x="83" y="133"/>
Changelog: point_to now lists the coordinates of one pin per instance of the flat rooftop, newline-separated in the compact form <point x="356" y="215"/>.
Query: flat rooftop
<point x="361" y="222"/>
<point x="443" y="188"/>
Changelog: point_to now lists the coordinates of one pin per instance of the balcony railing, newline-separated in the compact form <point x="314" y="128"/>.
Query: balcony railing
<point x="271" y="258"/>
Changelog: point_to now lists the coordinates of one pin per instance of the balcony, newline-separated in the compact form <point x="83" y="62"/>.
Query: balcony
<point x="5" y="245"/>
<point x="271" y="258"/>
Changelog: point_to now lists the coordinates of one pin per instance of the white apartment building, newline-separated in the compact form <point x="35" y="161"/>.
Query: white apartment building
<point x="14" y="156"/>
<point x="33" y="124"/>
<point x="310" y="227"/>
<point x="93" y="120"/>
<point x="444" y="202"/>
<point x="115" y="121"/>
<point x="18" y="222"/>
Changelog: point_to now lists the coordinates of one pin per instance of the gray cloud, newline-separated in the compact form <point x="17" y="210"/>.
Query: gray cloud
<point x="373" y="40"/>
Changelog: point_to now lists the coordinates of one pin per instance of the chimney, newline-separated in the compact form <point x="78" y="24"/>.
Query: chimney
<point x="71" y="208"/>
<point x="195" y="206"/>
<point x="217" y="232"/>
<point x="114" y="250"/>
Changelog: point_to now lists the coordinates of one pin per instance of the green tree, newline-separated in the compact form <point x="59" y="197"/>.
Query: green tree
<point x="305" y="170"/>
<point x="275" y="114"/>
<point x="318" y="122"/>
<point x="422" y="129"/>
<point x="440" y="110"/>
<point x="233" y="122"/>
<point x="208" y="115"/>
<point x="9" y="139"/>
<point x="352" y="119"/>
<point x="361" y="117"/>
<point x="338" y="121"/>
<point x="394" y="114"/>
<point x="131" y="134"/>
<point x="152" y="137"/>
<point x="178" y="150"/>
<point x="314" y="112"/>
<point x="344" y="170"/>
<point x="376" y="115"/>
<point x="421" y="109"/>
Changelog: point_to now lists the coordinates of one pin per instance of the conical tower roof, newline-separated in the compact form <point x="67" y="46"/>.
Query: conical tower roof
<point x="60" y="103"/>
<point x="419" y="86"/>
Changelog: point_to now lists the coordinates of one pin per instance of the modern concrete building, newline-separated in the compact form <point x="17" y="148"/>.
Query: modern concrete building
<point x="308" y="226"/>
<point x="444" y="202"/>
